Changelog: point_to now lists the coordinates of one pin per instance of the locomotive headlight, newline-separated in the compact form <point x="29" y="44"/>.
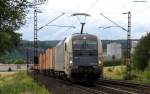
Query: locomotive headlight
<point x="99" y="62"/>
<point x="71" y="62"/>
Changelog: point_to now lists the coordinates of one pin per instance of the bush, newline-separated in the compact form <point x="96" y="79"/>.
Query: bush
<point x="109" y="69"/>
<point x="147" y="74"/>
<point x="126" y="75"/>
<point x="112" y="63"/>
<point x="142" y="53"/>
<point x="17" y="61"/>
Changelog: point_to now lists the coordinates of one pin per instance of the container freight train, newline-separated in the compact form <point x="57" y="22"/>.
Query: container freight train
<point x="78" y="58"/>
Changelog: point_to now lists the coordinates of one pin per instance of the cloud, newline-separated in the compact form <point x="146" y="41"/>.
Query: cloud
<point x="111" y="8"/>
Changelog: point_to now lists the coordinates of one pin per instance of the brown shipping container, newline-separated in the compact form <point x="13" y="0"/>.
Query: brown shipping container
<point x="43" y="61"/>
<point x="47" y="60"/>
<point x="42" y="64"/>
<point x="40" y="61"/>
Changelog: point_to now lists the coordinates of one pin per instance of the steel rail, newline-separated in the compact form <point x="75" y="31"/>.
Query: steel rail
<point x="136" y="87"/>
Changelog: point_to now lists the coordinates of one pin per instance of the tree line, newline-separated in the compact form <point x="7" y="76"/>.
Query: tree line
<point x="141" y="57"/>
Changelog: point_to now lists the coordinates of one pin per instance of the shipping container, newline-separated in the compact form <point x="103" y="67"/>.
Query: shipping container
<point x="47" y="61"/>
<point x="43" y="61"/>
<point x="40" y="61"/>
<point x="53" y="58"/>
<point x="59" y="57"/>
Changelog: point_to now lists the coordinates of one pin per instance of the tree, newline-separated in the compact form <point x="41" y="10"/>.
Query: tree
<point x="141" y="55"/>
<point x="8" y="41"/>
<point x="12" y="17"/>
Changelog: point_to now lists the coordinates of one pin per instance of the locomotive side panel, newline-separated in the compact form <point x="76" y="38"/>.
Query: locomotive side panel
<point x="67" y="55"/>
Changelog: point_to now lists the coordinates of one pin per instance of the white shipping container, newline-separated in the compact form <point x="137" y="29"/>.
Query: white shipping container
<point x="59" y="57"/>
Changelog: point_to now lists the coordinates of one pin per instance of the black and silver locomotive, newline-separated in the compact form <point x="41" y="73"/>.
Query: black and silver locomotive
<point x="78" y="57"/>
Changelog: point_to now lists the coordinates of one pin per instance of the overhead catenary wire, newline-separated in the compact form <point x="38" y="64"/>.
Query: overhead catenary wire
<point x="51" y="21"/>
<point x="141" y="10"/>
<point x="91" y="6"/>
<point x="113" y="22"/>
<point x="137" y="12"/>
<point x="62" y="26"/>
<point x="134" y="13"/>
<point x="139" y="1"/>
<point x="107" y="27"/>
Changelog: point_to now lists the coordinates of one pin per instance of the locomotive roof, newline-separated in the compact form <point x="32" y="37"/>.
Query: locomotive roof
<point x="81" y="36"/>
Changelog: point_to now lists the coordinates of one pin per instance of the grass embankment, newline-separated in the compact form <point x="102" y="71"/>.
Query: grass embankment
<point x="114" y="72"/>
<point x="119" y="73"/>
<point x="19" y="83"/>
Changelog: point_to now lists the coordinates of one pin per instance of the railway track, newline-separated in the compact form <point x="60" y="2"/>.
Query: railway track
<point x="83" y="88"/>
<point x="90" y="90"/>
<point x="124" y="87"/>
<point x="52" y="84"/>
<point x="100" y="87"/>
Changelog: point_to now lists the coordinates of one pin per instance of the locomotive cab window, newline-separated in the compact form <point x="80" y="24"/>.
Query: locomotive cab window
<point x="91" y="44"/>
<point x="84" y="44"/>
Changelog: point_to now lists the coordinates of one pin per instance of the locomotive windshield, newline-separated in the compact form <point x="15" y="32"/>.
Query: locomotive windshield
<point x="85" y="50"/>
<point x="84" y="44"/>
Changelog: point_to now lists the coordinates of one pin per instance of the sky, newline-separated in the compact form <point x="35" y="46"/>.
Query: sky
<point x="113" y="9"/>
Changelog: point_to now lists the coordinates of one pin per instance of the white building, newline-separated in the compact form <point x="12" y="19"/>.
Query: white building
<point x="133" y="45"/>
<point x="114" y="49"/>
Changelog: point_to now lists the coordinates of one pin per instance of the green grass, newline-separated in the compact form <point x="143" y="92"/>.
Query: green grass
<point x="114" y="72"/>
<point x="20" y="83"/>
<point x="119" y="73"/>
<point x="141" y="76"/>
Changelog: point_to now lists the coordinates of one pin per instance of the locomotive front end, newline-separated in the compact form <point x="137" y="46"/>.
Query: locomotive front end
<point x="85" y="63"/>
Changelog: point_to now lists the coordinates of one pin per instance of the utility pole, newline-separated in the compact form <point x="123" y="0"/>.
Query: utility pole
<point x="128" y="58"/>
<point x="35" y="38"/>
<point x="35" y="3"/>
<point x="35" y="45"/>
<point x="129" y="42"/>
<point x="27" y="62"/>
<point x="129" y="37"/>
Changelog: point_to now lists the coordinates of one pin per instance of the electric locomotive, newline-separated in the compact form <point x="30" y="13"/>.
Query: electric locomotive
<point x="83" y="57"/>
